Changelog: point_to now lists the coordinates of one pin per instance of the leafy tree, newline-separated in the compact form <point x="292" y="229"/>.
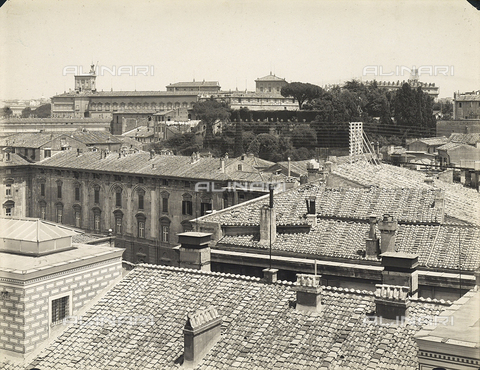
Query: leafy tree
<point x="6" y="112"/>
<point x="43" y="111"/>
<point x="301" y="91"/>
<point x="238" y="148"/>
<point x="26" y="112"/>
<point x="304" y="136"/>
<point x="209" y="112"/>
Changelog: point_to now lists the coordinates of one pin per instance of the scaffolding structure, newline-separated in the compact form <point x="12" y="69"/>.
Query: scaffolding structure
<point x="360" y="148"/>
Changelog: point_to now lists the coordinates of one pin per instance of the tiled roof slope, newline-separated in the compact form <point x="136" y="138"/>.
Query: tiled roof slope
<point x="28" y="139"/>
<point x="259" y="331"/>
<point x="94" y="137"/>
<point x="125" y="93"/>
<point x="460" y="202"/>
<point x="140" y="131"/>
<point x="15" y="160"/>
<point x="436" y="246"/>
<point x="161" y="165"/>
<point x="470" y="139"/>
<point x="409" y="205"/>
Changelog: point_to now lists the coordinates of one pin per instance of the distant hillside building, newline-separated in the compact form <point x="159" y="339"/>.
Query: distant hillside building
<point x="11" y="126"/>
<point x="87" y="101"/>
<point x="414" y="83"/>
<point x="270" y="84"/>
<point x="203" y="86"/>
<point x="466" y="105"/>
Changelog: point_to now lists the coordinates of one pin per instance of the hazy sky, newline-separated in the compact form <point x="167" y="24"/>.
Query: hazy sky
<point x="234" y="42"/>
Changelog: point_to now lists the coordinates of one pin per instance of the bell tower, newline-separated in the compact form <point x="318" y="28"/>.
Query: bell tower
<point x="86" y="82"/>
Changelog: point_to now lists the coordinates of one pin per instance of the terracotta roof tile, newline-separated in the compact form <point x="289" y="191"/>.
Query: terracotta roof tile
<point x="260" y="330"/>
<point x="460" y="203"/>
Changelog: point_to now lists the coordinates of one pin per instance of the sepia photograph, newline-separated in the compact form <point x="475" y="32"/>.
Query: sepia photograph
<point x="240" y="184"/>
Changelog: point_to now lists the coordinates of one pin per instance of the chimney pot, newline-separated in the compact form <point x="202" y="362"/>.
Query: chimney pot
<point x="202" y="330"/>
<point x="373" y="246"/>
<point x="267" y="225"/>
<point x="309" y="292"/>
<point x="387" y="227"/>
<point x="195" y="250"/>
<point x="400" y="268"/>
<point x="270" y="275"/>
<point x="391" y="301"/>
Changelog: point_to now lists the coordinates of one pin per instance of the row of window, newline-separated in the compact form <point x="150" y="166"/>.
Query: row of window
<point x="187" y="205"/>
<point x="130" y="106"/>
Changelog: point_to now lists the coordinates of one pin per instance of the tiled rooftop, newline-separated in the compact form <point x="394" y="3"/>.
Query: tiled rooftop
<point x="28" y="139"/>
<point x="460" y="203"/>
<point x="409" y="205"/>
<point x="436" y="246"/>
<point x="433" y="140"/>
<point x="260" y="329"/>
<point x="15" y="160"/>
<point x="270" y="77"/>
<point x="470" y="139"/>
<point x="161" y="165"/>
<point x="194" y="84"/>
<point x="140" y="131"/>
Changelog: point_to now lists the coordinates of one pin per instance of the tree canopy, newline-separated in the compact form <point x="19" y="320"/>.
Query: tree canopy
<point x="301" y="91"/>
<point x="209" y="112"/>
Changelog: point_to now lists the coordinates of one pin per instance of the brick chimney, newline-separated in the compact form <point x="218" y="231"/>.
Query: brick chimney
<point x="311" y="210"/>
<point x="373" y="245"/>
<point x="387" y="227"/>
<point x="270" y="275"/>
<point x="391" y="301"/>
<point x="312" y="168"/>
<point x="440" y="203"/>
<point x="309" y="292"/>
<point x="202" y="330"/>
<point x="222" y="165"/>
<point x="268" y="225"/>
<point x="194" y="250"/>
<point x="400" y="268"/>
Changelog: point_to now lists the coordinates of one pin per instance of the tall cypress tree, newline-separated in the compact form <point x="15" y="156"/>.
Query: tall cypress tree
<point x="238" y="149"/>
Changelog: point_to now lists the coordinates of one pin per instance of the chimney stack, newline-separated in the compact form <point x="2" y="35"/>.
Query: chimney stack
<point x="400" y="268"/>
<point x="391" y="301"/>
<point x="202" y="330"/>
<point x="270" y="275"/>
<point x="311" y="210"/>
<point x="309" y="293"/>
<point x="440" y="204"/>
<point x="268" y="225"/>
<point x="195" y="250"/>
<point x="222" y="165"/>
<point x="387" y="227"/>
<point x="373" y="246"/>
<point x="312" y="168"/>
<point x="289" y="167"/>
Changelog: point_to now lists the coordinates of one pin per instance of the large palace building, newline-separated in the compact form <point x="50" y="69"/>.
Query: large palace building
<point x="86" y="101"/>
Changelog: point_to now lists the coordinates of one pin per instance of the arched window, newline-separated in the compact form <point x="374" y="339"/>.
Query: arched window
<point x="187" y="226"/>
<point x="8" y="206"/>
<point x="205" y="205"/>
<point x="77" y="211"/>
<point x="122" y="106"/>
<point x="161" y="106"/>
<point x="77" y="192"/>
<point x="165" y="196"/>
<point x="59" y="213"/>
<point x="118" y="215"/>
<point x="187" y="208"/>
<point x="118" y="197"/>
<point x="177" y="105"/>
<point x="99" y="106"/>
<point x="165" y="230"/>
<point x="141" y="198"/>
<point x="96" y="194"/>
<point x="97" y="212"/>
<point x="59" y="189"/>
<point x="141" y="222"/>
<point x="169" y="106"/>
